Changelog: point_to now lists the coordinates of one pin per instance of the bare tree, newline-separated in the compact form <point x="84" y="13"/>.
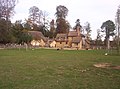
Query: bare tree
<point x="88" y="30"/>
<point x="38" y="17"/>
<point x="7" y="8"/>
<point x="99" y="38"/>
<point x="45" y="19"/>
<point x="6" y="11"/>
<point x="34" y="14"/>
<point x="118" y="27"/>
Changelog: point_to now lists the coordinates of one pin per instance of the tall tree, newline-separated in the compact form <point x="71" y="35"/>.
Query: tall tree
<point x="44" y="17"/>
<point x="38" y="19"/>
<point x="88" y="30"/>
<point x="118" y="27"/>
<point x="6" y="11"/>
<point x="45" y="22"/>
<point x="98" y="34"/>
<point x="5" y="35"/>
<point x="62" y="24"/>
<point x="62" y="12"/>
<point x="7" y="8"/>
<point x="108" y="27"/>
<point x="98" y="39"/>
<point x="34" y="14"/>
<point x="52" y="33"/>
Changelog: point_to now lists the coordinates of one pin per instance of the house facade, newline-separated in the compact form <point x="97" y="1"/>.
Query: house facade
<point x="61" y="41"/>
<point x="52" y="43"/>
<point x="74" y="39"/>
<point x="38" y="39"/>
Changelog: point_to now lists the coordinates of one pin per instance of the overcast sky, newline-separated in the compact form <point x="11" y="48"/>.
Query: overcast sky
<point x="93" y="11"/>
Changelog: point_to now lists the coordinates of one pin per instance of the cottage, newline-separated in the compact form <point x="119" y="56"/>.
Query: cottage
<point x="52" y="43"/>
<point x="38" y="38"/>
<point x="61" y="41"/>
<point x="71" y="34"/>
<point x="77" y="42"/>
<point x="74" y="39"/>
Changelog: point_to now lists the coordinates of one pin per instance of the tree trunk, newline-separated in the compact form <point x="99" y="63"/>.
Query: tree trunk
<point x="108" y="44"/>
<point x="118" y="49"/>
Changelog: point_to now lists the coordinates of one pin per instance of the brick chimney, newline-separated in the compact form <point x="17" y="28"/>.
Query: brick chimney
<point x="78" y="30"/>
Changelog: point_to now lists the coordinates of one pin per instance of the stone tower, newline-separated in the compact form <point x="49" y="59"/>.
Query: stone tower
<point x="78" y="27"/>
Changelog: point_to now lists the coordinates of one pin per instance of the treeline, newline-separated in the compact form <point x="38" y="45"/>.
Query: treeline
<point x="38" y="21"/>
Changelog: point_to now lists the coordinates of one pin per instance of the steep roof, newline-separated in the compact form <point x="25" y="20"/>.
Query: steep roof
<point x="37" y="35"/>
<point x="76" y="39"/>
<point x="87" y="41"/>
<point x="72" y="34"/>
<point x="61" y="37"/>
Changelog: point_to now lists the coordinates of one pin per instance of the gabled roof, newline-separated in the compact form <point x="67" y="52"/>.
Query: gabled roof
<point x="72" y="34"/>
<point x="51" y="40"/>
<point x="76" y="39"/>
<point x="87" y="41"/>
<point x="61" y="35"/>
<point x="61" y="38"/>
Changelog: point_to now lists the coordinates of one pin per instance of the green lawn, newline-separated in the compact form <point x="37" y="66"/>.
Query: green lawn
<point x="52" y="69"/>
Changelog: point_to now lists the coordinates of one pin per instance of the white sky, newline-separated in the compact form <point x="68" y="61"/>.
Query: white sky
<point x="94" y="11"/>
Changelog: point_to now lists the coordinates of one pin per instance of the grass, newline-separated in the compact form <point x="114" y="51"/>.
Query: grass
<point x="52" y="69"/>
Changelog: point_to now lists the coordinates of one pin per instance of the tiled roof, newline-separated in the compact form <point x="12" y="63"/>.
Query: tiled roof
<point x="61" y="38"/>
<point x="72" y="34"/>
<point x="61" y="35"/>
<point x="64" y="37"/>
<point x="76" y="39"/>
